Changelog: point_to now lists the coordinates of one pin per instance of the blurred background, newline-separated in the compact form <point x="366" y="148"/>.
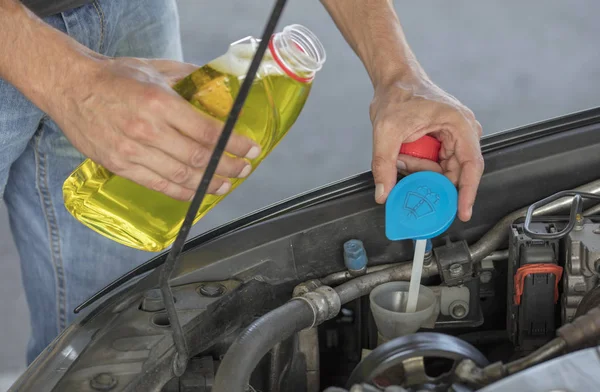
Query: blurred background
<point x="511" y="62"/>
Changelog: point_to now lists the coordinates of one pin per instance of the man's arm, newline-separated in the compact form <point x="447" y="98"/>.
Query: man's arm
<point x="373" y="30"/>
<point x="406" y="104"/>
<point x="121" y="112"/>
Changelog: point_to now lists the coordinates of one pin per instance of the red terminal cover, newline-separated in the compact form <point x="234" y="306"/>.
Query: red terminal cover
<point x="426" y="147"/>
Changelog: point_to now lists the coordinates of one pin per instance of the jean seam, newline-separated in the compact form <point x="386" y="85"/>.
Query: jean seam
<point x="100" y="13"/>
<point x="53" y="231"/>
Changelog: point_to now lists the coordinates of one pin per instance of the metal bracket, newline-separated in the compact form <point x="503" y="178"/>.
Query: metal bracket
<point x="182" y="355"/>
<point x="454" y="262"/>
<point x="575" y="216"/>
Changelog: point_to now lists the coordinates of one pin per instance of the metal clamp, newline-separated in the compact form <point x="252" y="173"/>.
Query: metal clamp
<point x="324" y="302"/>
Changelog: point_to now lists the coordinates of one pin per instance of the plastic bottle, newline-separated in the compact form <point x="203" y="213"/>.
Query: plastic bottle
<point x="148" y="220"/>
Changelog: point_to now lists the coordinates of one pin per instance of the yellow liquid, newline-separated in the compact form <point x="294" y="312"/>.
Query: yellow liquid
<point x="148" y="220"/>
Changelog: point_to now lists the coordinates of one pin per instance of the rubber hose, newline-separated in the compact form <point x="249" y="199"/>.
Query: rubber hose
<point x="256" y="340"/>
<point x="363" y="285"/>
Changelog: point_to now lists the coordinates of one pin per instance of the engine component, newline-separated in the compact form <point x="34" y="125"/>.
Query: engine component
<point x="494" y="238"/>
<point x="590" y="300"/>
<point x="424" y="361"/>
<point x="198" y="377"/>
<point x="584" y="331"/>
<point x="388" y="305"/>
<point x="556" y="375"/>
<point x="472" y="375"/>
<point x="454" y="301"/>
<point x="533" y="276"/>
<point x="355" y="257"/>
<point x="366" y="388"/>
<point x="324" y="302"/>
<point x="454" y="262"/>
<point x="582" y="248"/>
<point x="308" y="346"/>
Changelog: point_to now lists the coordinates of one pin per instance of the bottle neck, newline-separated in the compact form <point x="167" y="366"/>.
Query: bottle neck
<point x="298" y="52"/>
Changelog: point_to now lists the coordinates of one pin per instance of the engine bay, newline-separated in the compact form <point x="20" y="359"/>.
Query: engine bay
<point x="270" y="302"/>
<point x="482" y="315"/>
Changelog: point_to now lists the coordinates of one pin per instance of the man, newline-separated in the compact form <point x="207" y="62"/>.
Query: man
<point x="76" y="84"/>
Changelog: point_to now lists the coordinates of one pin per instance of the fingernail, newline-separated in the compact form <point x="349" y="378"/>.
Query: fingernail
<point x="223" y="189"/>
<point x="400" y="165"/>
<point x="245" y="171"/>
<point x="379" y="189"/>
<point x="253" y="153"/>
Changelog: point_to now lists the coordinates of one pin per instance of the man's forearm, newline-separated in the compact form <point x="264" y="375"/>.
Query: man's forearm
<point x="373" y="30"/>
<point x="36" y="58"/>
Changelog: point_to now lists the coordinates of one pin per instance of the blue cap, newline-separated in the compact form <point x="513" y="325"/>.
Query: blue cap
<point x="355" y="255"/>
<point x="421" y="206"/>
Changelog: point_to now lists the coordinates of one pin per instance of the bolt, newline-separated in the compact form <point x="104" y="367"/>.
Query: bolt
<point x="428" y="259"/>
<point x="152" y="301"/>
<point x="578" y="222"/>
<point x="153" y="294"/>
<point x="459" y="309"/>
<point x="456" y="270"/>
<point x="212" y="290"/>
<point x="485" y="277"/>
<point x="103" y="382"/>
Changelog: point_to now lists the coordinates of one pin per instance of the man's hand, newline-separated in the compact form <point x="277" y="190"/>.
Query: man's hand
<point x="122" y="113"/>
<point x="125" y="116"/>
<point x="406" y="104"/>
<point x="403" y="112"/>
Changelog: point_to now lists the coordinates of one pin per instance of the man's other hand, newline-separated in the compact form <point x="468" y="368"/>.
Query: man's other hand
<point x="405" y="111"/>
<point x="124" y="115"/>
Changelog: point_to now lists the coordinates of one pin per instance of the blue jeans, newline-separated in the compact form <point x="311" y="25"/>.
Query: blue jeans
<point x="62" y="261"/>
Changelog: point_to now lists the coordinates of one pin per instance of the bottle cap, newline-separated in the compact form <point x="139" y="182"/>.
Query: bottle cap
<point x="421" y="206"/>
<point x="426" y="147"/>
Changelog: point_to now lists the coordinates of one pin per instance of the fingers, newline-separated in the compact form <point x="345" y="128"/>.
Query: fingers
<point x="206" y="130"/>
<point x="179" y="173"/>
<point x="468" y="163"/>
<point x="410" y="164"/>
<point x="151" y="180"/>
<point x="471" y="172"/>
<point x="386" y="144"/>
<point x="195" y="155"/>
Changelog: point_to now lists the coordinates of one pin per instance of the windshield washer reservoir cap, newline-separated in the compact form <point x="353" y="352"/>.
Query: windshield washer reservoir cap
<point x="421" y="206"/>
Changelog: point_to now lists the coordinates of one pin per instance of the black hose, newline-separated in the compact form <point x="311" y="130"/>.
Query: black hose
<point x="256" y="340"/>
<point x="363" y="285"/>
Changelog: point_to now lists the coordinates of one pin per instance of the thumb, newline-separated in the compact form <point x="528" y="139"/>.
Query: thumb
<point x="410" y="164"/>
<point x="385" y="154"/>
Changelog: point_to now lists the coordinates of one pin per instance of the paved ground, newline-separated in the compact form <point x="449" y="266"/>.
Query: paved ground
<point x="512" y="62"/>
